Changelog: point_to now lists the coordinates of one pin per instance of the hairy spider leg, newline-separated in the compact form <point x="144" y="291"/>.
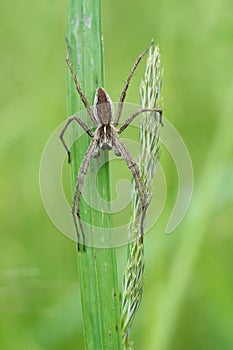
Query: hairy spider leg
<point x="132" y="165"/>
<point x="78" y="190"/>
<point x="136" y="113"/>
<point x="123" y="94"/>
<point x="80" y="122"/>
<point x="119" y="131"/>
<point x="78" y="88"/>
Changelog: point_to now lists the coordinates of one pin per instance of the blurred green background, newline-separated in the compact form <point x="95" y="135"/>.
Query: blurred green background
<point x="188" y="297"/>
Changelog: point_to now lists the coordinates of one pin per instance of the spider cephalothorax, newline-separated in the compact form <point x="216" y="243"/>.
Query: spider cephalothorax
<point x="104" y="112"/>
<point x="105" y="137"/>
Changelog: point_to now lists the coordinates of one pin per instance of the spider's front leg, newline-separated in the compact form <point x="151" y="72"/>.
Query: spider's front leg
<point x="123" y="94"/>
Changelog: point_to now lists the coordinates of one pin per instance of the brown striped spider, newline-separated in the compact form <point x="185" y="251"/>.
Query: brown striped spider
<point x="105" y="137"/>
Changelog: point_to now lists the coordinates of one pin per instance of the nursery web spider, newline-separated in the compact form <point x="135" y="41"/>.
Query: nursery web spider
<point x="105" y="137"/>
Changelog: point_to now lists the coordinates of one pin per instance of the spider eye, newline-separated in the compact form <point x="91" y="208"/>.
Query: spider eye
<point x="103" y="107"/>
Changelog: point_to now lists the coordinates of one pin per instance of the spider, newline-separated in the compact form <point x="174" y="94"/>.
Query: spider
<point x="105" y="137"/>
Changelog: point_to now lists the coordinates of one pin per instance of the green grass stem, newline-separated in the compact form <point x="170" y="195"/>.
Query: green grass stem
<point x="97" y="267"/>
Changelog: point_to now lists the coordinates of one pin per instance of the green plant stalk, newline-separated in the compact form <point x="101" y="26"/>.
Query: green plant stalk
<point x="97" y="267"/>
<point x="150" y="91"/>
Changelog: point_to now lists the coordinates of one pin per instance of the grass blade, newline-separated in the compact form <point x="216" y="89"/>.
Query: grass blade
<point x="97" y="267"/>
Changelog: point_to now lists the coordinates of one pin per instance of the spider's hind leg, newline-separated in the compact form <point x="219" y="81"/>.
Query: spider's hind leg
<point x="140" y="187"/>
<point x="78" y="192"/>
<point x="116" y="151"/>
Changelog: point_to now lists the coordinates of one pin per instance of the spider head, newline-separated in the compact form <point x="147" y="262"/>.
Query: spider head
<point x="103" y="107"/>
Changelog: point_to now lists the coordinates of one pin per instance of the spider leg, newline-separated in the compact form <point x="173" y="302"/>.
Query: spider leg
<point x="132" y="165"/>
<point x="78" y="87"/>
<point x="78" y="191"/>
<point x="123" y="94"/>
<point x="80" y="122"/>
<point x="136" y="113"/>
